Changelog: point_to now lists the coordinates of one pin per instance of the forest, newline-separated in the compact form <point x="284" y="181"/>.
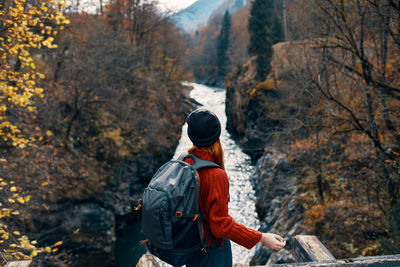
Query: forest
<point x="91" y="104"/>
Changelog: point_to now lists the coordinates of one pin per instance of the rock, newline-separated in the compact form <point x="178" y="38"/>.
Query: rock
<point x="276" y="206"/>
<point x="147" y="260"/>
<point x="247" y="113"/>
<point x="86" y="229"/>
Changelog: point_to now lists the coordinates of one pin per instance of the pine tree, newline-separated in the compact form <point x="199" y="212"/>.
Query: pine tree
<point x="265" y="30"/>
<point x="223" y="46"/>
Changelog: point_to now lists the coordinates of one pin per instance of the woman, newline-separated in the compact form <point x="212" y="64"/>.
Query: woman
<point x="218" y="226"/>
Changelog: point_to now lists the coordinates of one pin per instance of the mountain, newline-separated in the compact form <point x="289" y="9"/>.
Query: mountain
<point x="192" y="17"/>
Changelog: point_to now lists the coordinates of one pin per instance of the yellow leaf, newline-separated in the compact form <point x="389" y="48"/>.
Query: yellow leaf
<point x="34" y="253"/>
<point x="49" y="133"/>
<point x="16" y="233"/>
<point x="59" y="243"/>
<point x="13" y="189"/>
<point x="5" y="236"/>
<point x="47" y="249"/>
<point x="54" y="250"/>
<point x="45" y="183"/>
<point x="12" y="201"/>
<point x="21" y="200"/>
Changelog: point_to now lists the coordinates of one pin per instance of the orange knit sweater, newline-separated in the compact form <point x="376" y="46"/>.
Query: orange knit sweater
<point x="213" y="203"/>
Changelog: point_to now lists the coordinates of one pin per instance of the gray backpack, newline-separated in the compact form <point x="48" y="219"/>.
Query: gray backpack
<point x="171" y="220"/>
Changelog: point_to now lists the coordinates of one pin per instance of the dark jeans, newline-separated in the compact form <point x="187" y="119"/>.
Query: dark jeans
<point x="213" y="257"/>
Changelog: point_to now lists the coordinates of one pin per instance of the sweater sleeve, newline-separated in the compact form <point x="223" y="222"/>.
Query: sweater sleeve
<point x="220" y="223"/>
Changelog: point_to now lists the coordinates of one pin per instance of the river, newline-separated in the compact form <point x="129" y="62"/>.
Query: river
<point x="238" y="167"/>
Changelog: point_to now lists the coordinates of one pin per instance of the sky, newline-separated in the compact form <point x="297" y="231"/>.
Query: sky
<point x="175" y="5"/>
<point x="92" y="6"/>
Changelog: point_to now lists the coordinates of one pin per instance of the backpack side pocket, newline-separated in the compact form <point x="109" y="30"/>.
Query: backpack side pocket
<point x="156" y="218"/>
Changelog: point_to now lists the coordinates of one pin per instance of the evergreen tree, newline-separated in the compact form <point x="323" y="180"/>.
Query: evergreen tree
<point x="223" y="46"/>
<point x="265" y="30"/>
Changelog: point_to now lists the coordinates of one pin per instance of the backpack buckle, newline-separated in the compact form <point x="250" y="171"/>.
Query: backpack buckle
<point x="195" y="217"/>
<point x="178" y="214"/>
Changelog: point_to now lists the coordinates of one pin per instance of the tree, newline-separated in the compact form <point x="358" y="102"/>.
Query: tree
<point x="349" y="143"/>
<point x="23" y="27"/>
<point x="239" y="37"/>
<point x="265" y="30"/>
<point x="26" y="28"/>
<point x="223" y="46"/>
<point x="204" y="53"/>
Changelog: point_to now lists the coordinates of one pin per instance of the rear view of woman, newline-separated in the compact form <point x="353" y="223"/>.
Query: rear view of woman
<point x="218" y="226"/>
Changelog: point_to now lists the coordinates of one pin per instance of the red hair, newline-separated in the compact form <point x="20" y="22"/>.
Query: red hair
<point x="215" y="150"/>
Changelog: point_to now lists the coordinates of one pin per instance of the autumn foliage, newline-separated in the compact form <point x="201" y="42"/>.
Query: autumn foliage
<point x="24" y="28"/>
<point x="331" y="105"/>
<point x="90" y="106"/>
<point x="335" y="104"/>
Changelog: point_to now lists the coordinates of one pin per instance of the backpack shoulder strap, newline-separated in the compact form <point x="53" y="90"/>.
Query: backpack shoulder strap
<point x="199" y="163"/>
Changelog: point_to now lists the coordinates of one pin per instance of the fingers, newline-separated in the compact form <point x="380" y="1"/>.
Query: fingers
<point x="273" y="241"/>
<point x="279" y="242"/>
<point x="281" y="245"/>
<point x="278" y="237"/>
<point x="278" y="245"/>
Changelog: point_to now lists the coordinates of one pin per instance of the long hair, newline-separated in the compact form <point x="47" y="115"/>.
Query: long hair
<point x="215" y="150"/>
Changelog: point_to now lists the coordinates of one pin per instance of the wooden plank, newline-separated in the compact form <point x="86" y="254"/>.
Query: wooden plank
<point x="377" y="261"/>
<point x="18" y="264"/>
<point x="308" y="248"/>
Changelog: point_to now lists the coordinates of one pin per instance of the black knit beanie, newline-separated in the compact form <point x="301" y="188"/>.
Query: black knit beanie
<point x="204" y="127"/>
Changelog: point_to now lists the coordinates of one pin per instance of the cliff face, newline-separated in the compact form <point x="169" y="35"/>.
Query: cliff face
<point x="254" y="112"/>
<point x="279" y="212"/>
<point x="248" y="108"/>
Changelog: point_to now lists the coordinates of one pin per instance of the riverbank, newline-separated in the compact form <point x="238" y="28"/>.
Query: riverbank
<point x="314" y="174"/>
<point x="80" y="194"/>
